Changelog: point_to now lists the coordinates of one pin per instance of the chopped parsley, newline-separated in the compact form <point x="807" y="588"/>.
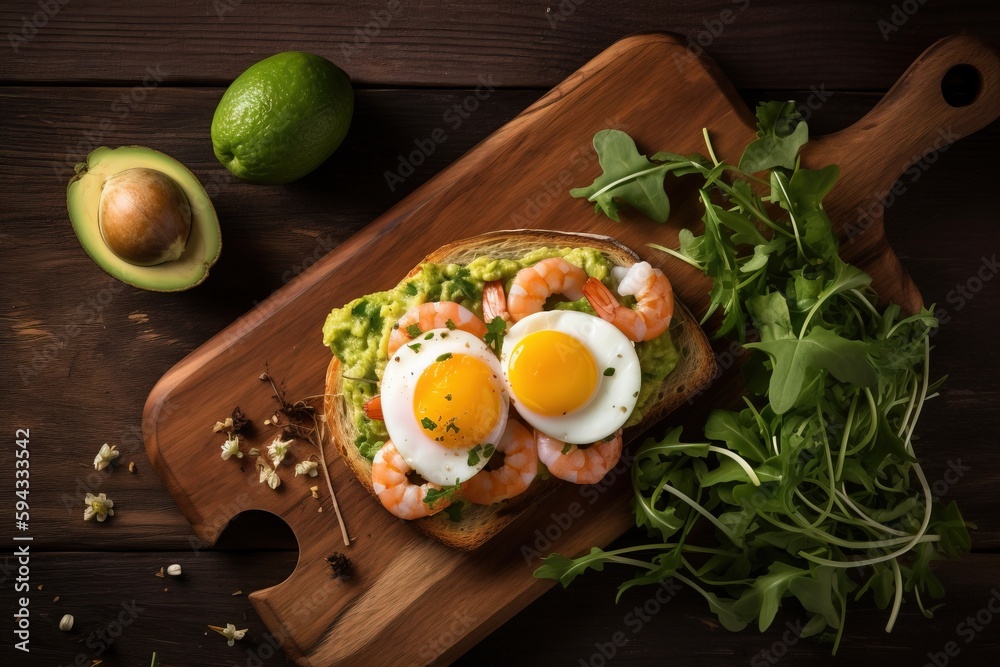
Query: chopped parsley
<point x="445" y="492"/>
<point x="495" y="330"/>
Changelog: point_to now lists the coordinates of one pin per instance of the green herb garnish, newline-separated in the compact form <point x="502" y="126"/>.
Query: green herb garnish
<point x="447" y="492"/>
<point x="814" y="477"/>
<point x="428" y="423"/>
<point x="474" y="455"/>
<point x="454" y="511"/>
<point x="486" y="449"/>
<point x="451" y="325"/>
<point x="411" y="289"/>
<point x="608" y="372"/>
<point x="495" y="331"/>
<point x="414" y="346"/>
<point x="463" y="282"/>
<point x="413" y="330"/>
<point x="450" y="426"/>
<point x="447" y="397"/>
<point x="444" y="357"/>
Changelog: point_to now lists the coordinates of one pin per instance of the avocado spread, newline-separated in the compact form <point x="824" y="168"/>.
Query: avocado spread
<point x="358" y="333"/>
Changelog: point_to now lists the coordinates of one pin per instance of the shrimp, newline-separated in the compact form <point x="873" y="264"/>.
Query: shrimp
<point x="397" y="493"/>
<point x="435" y="315"/>
<point x="654" y="302"/>
<point x="494" y="302"/>
<point x="520" y="465"/>
<point x="534" y="284"/>
<point x="587" y="465"/>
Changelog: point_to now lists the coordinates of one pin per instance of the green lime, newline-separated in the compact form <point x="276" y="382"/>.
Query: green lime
<point x="282" y="118"/>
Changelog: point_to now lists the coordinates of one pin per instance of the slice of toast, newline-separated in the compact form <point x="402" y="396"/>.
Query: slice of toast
<point x="695" y="369"/>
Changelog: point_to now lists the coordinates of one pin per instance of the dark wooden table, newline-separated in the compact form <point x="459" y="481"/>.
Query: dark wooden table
<point x="80" y="351"/>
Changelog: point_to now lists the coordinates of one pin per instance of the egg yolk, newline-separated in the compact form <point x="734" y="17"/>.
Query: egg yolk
<point x="457" y="401"/>
<point x="552" y="373"/>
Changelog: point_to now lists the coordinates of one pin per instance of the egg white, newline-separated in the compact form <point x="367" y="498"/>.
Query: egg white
<point x="616" y="394"/>
<point x="432" y="460"/>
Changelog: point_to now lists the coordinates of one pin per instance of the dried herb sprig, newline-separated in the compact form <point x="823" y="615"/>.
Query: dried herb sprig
<point x="306" y="424"/>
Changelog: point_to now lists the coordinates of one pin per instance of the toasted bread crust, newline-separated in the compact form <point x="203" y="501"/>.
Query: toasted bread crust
<point x="694" y="370"/>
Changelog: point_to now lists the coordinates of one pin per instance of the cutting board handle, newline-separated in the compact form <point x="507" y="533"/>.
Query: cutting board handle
<point x="914" y="120"/>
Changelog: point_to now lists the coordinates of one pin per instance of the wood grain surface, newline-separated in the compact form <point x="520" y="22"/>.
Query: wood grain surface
<point x="400" y="573"/>
<point x="854" y="45"/>
<point x="79" y="354"/>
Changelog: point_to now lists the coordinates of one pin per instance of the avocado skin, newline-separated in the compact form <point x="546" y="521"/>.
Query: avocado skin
<point x="83" y="200"/>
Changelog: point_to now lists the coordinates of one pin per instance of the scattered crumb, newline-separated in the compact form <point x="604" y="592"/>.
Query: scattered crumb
<point x="315" y="491"/>
<point x="138" y="318"/>
<point x="160" y="573"/>
<point x="165" y="590"/>
<point x="319" y="509"/>
<point x="55" y="599"/>
<point x="237" y="593"/>
<point x="40" y="586"/>
<point x="131" y="467"/>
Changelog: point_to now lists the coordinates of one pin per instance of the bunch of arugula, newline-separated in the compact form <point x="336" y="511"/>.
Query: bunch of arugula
<point x="805" y="492"/>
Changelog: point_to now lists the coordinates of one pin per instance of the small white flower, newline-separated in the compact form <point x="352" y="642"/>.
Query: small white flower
<point x="278" y="449"/>
<point x="231" y="448"/>
<point x="306" y="468"/>
<point x="229" y="632"/>
<point x="98" y="506"/>
<point x="104" y="457"/>
<point x="269" y="476"/>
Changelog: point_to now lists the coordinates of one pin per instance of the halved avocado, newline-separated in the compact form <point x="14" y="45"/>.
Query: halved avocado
<point x="144" y="218"/>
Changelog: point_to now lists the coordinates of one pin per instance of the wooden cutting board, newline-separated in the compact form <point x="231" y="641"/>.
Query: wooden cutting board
<point x="412" y="600"/>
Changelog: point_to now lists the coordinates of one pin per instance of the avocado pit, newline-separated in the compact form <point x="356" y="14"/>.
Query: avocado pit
<point x="144" y="216"/>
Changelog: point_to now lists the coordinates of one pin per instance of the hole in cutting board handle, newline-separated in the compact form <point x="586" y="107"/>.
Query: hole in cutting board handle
<point x="961" y="85"/>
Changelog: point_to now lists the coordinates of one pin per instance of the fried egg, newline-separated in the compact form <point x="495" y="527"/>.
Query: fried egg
<point x="442" y="396"/>
<point x="571" y="375"/>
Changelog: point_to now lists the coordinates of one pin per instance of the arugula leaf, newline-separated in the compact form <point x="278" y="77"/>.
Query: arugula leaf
<point x="726" y="426"/>
<point x="627" y="176"/>
<point x="816" y="593"/>
<point x="780" y="135"/>
<point x="762" y="599"/>
<point x="797" y="360"/>
<point x="565" y="570"/>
